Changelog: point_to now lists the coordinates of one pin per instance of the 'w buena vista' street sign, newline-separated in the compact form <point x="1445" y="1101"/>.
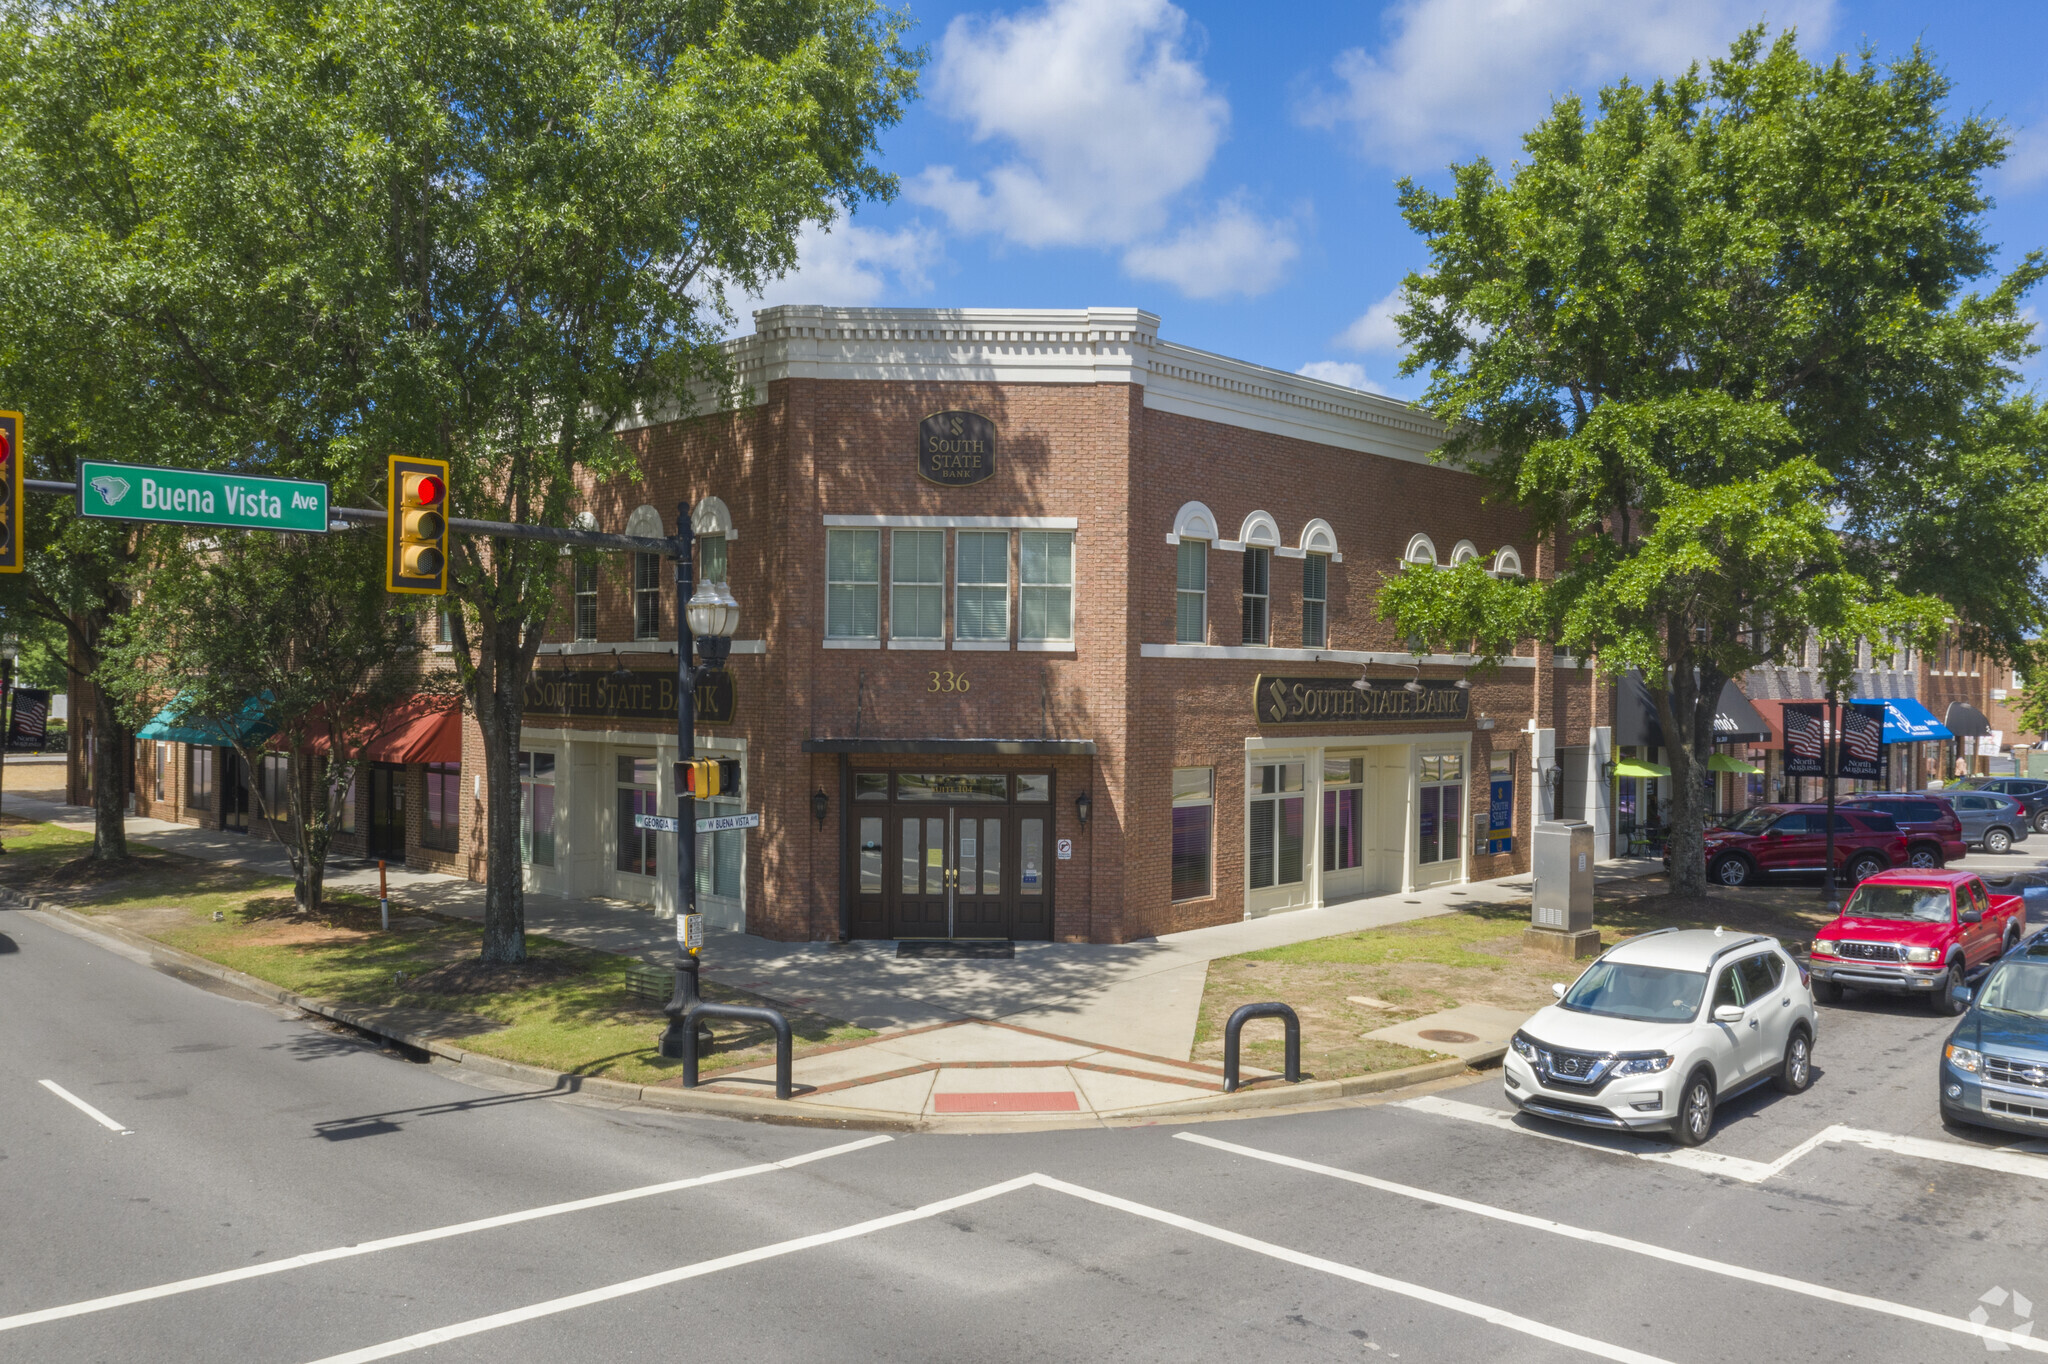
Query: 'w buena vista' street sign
<point x="193" y="497"/>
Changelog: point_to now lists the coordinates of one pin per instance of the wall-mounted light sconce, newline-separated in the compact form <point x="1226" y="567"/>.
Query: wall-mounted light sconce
<point x="820" y="807"/>
<point x="1607" y="769"/>
<point x="1463" y="684"/>
<point x="621" y="674"/>
<point x="1084" y="806"/>
<point x="1485" y="721"/>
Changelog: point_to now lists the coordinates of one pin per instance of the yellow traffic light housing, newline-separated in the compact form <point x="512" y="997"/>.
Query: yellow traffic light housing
<point x="12" y="473"/>
<point x="416" y="526"/>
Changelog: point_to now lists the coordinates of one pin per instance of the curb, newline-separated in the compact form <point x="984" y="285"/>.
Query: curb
<point x="1248" y="1102"/>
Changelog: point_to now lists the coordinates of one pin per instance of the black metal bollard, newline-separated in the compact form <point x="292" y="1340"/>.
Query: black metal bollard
<point x="1244" y="1014"/>
<point x="746" y="1013"/>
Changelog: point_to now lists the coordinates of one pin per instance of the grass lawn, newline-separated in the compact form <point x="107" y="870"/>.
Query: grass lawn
<point x="566" y="1008"/>
<point x="1471" y="957"/>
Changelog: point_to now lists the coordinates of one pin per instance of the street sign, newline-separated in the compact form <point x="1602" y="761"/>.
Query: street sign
<point x="660" y="824"/>
<point x="196" y="497"/>
<point x="712" y="826"/>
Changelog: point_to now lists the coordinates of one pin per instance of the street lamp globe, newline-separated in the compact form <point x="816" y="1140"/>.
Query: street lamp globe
<point x="10" y="647"/>
<point x="713" y="611"/>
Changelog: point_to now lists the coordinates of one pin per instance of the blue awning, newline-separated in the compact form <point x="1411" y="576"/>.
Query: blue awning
<point x="1906" y="721"/>
<point x="251" y="724"/>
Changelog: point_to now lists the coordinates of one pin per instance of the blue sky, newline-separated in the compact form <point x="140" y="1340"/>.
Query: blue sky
<point x="1231" y="167"/>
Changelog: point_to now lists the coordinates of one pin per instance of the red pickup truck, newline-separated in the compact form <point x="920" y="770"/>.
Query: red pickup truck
<point x="1916" y="932"/>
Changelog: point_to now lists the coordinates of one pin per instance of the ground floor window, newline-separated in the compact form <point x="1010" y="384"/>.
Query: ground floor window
<point x="1439" y="814"/>
<point x="348" y="807"/>
<point x="199" y="776"/>
<point x="1276" y="823"/>
<point x="273" y="774"/>
<point x="721" y="856"/>
<point x="637" y="796"/>
<point x="158" y="752"/>
<point x="1343" y="813"/>
<point x="444" y="807"/>
<point x="1194" y="830"/>
<point x="537" y="808"/>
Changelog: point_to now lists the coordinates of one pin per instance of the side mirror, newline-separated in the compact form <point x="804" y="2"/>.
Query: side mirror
<point x="1558" y="989"/>
<point x="1972" y="915"/>
<point x="1964" y="994"/>
<point x="1728" y="1013"/>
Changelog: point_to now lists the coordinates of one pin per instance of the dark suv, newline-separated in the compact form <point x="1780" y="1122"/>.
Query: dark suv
<point x="1794" y="838"/>
<point x="2030" y="792"/>
<point x="1933" y="829"/>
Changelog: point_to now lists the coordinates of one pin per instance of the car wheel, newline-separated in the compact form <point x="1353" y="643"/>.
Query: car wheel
<point x="2012" y="940"/>
<point x="1795" y="1073"/>
<point x="1695" y="1110"/>
<point x="1862" y="868"/>
<point x="1943" y="1001"/>
<point x="1924" y="859"/>
<point x="1831" y="991"/>
<point x="2041" y="821"/>
<point x="1732" y="870"/>
<point x="1997" y="842"/>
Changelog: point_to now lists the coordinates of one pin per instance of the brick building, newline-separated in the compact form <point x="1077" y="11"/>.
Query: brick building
<point x="1049" y="630"/>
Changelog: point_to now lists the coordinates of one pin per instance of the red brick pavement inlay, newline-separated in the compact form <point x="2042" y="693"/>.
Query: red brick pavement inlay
<point x="1017" y="1101"/>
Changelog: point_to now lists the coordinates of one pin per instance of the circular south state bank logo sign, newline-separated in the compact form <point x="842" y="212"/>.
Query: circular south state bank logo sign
<point x="956" y="448"/>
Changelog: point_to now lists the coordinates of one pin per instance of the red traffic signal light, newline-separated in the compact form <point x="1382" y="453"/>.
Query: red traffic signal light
<point x="11" y="472"/>
<point x="416" y="526"/>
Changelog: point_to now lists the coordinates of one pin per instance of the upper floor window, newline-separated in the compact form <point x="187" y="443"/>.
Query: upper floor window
<point x="711" y="566"/>
<point x="1315" y="592"/>
<point x="981" y="578"/>
<point x="1191" y="593"/>
<point x="1045" y="573"/>
<point x="853" y="584"/>
<point x="647" y="596"/>
<point x="1258" y="567"/>
<point x="585" y="583"/>
<point x="917" y="584"/>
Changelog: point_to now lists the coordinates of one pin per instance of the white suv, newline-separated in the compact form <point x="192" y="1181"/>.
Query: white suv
<point x="1662" y="1028"/>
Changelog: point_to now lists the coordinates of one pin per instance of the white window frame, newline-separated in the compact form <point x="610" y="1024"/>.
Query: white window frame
<point x="529" y="777"/>
<point x="1259" y="558"/>
<point x="1200" y="595"/>
<point x="960" y="586"/>
<point x="899" y="637"/>
<point x="1046" y="591"/>
<point x="1319" y="566"/>
<point x="646" y="596"/>
<point x="842" y="638"/>
<point x="583" y="600"/>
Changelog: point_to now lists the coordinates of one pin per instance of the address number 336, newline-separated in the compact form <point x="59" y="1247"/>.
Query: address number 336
<point x="945" y="679"/>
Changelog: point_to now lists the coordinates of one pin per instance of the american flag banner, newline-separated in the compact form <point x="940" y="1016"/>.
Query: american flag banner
<point x="1805" y="739"/>
<point x="1862" y="756"/>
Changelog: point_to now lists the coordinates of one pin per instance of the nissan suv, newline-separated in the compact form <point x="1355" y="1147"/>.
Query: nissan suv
<point x="1662" y="1029"/>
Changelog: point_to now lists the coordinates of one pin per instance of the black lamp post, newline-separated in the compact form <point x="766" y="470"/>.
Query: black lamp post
<point x="705" y="619"/>
<point x="10" y="649"/>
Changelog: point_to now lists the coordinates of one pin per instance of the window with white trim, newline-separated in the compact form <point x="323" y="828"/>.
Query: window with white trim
<point x="1258" y="589"/>
<point x="1191" y="593"/>
<point x="1045" y="577"/>
<point x="1275" y="824"/>
<point x="981" y="585"/>
<point x="647" y="596"/>
<point x="1440" y="811"/>
<point x="585" y="585"/>
<point x="537" y="809"/>
<point x="1315" y="593"/>
<point x="917" y="584"/>
<point x="711" y="559"/>
<point x="853" y="584"/>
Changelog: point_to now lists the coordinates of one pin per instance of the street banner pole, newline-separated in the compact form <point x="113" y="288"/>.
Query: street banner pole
<point x="1831" y="756"/>
<point x="679" y="1040"/>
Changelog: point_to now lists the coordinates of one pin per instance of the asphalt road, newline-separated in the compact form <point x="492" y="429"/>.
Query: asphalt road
<point x="270" y="1191"/>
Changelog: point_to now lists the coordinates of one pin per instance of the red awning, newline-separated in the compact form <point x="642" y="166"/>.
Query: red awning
<point x="426" y="729"/>
<point x="1774" y="716"/>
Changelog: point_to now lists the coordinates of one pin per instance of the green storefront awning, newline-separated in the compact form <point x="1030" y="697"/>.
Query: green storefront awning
<point x="1721" y="762"/>
<point x="1629" y="767"/>
<point x="251" y="725"/>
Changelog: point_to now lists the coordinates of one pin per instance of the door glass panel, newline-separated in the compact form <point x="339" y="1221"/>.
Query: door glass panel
<point x="967" y="849"/>
<point x="913" y="857"/>
<point x="1291" y="831"/>
<point x="1431" y="804"/>
<point x="1031" y="840"/>
<point x="1262" y="843"/>
<point x="991" y="857"/>
<point x="871" y="856"/>
<point x="1341" y="834"/>
<point x="934" y="856"/>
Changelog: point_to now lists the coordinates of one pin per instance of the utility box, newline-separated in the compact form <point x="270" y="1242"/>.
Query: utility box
<point x="1561" y="902"/>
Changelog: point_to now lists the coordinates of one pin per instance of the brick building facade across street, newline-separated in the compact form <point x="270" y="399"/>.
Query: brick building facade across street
<point x="1049" y="629"/>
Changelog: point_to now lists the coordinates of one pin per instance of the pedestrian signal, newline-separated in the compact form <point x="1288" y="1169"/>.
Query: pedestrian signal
<point x="710" y="777"/>
<point x="11" y="475"/>
<point x="416" y="526"/>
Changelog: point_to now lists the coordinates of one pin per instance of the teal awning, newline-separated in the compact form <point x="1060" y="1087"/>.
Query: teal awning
<point x="251" y="725"/>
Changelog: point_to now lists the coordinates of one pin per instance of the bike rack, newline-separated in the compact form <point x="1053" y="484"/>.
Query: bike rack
<point x="700" y="1010"/>
<point x="1246" y="1013"/>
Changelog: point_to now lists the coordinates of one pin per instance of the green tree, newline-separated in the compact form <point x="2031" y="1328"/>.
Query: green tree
<point x="1714" y="340"/>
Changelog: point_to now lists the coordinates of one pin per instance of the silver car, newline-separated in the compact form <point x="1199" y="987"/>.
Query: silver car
<point x="1991" y="821"/>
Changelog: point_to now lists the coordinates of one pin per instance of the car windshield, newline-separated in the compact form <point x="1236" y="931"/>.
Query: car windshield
<point x="1753" y="821"/>
<point x="1650" y="994"/>
<point x="1928" y="904"/>
<point x="2017" y="988"/>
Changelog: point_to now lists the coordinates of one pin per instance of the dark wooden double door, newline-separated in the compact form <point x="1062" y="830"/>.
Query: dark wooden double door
<point x="951" y="871"/>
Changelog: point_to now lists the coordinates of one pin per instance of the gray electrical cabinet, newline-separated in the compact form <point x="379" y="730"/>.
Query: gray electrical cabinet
<point x="1562" y="862"/>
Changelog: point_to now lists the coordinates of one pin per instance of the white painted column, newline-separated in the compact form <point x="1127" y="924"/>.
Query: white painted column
<point x="1600" y="790"/>
<point x="1542" y="753"/>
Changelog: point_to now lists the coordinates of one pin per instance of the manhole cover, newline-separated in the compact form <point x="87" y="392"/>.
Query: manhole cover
<point x="1445" y="1035"/>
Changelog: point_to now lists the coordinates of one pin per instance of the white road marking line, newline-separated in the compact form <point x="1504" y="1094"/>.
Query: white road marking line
<point x="1494" y="1315"/>
<point x="413" y="1238"/>
<point x="2002" y="1161"/>
<point x="82" y="1106"/>
<point x="1655" y="1252"/>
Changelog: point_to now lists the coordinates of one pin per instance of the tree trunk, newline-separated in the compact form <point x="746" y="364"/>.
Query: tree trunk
<point x="111" y="744"/>
<point x="1685" y="707"/>
<point x="498" y="693"/>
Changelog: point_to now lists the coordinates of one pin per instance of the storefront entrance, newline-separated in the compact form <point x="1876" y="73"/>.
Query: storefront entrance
<point x="951" y="855"/>
<point x="386" y="815"/>
<point x="234" y="792"/>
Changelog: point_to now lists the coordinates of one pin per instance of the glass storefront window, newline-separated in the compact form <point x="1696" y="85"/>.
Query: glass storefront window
<point x="537" y="808"/>
<point x="1440" y="815"/>
<point x="1343" y="808"/>
<point x="951" y="786"/>
<point x="444" y="806"/>
<point x="636" y="796"/>
<point x="1276" y="819"/>
<point x="1194" y="829"/>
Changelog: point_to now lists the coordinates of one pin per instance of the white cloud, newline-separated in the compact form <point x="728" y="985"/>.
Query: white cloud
<point x="1375" y="330"/>
<point x="1234" y="252"/>
<point x="1102" y="126"/>
<point x="1457" y="77"/>
<point x="842" y="264"/>
<point x="2026" y="161"/>
<point x="1349" y="373"/>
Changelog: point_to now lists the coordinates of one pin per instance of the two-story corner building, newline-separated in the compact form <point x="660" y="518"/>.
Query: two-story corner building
<point x="1050" y="629"/>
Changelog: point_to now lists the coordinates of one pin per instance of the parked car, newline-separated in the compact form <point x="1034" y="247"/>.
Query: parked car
<point x="1933" y="830"/>
<point x="1915" y="932"/>
<point x="1994" y="1066"/>
<point x="1992" y="821"/>
<point x="1660" y="1030"/>
<point x="2030" y="792"/>
<point x="1769" y="839"/>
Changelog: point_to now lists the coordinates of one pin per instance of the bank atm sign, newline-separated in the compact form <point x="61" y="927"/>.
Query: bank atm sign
<point x="195" y="497"/>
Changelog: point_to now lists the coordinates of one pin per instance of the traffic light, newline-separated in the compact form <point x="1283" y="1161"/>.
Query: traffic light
<point x="416" y="526"/>
<point x="709" y="777"/>
<point x="11" y="474"/>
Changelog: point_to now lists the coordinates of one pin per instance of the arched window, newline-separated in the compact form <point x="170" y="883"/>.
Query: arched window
<point x="1421" y="550"/>
<point x="1193" y="522"/>
<point x="1260" y="529"/>
<point x="710" y="517"/>
<point x="713" y="526"/>
<point x="1463" y="552"/>
<point x="1507" y="563"/>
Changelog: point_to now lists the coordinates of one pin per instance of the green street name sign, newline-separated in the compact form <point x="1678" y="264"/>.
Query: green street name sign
<point x="192" y="497"/>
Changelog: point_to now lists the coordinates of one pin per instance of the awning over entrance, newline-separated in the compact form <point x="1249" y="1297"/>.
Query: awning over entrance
<point x="251" y="724"/>
<point x="1906" y="721"/>
<point x="426" y="729"/>
<point x="1629" y="767"/>
<point x="1636" y="724"/>
<point x="1042" y="748"/>
<point x="1721" y="762"/>
<point x="1966" y="721"/>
